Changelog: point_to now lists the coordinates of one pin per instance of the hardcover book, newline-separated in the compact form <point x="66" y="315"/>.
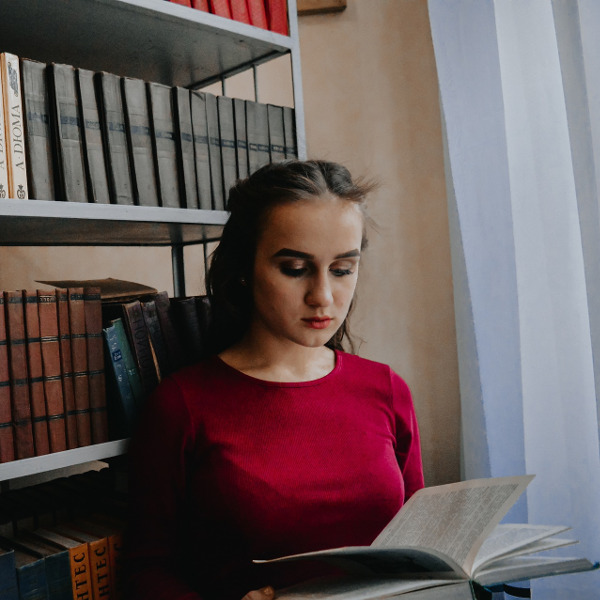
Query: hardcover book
<point x="239" y="11"/>
<point x="241" y="139"/>
<point x="8" y="575"/>
<point x="157" y="341"/>
<point x="93" y="147"/>
<point x="112" y="117"/>
<point x="139" y="138"/>
<point x="214" y="150"/>
<point x="228" y="146"/>
<point x="276" y="133"/>
<point x="277" y="16"/>
<point x="38" y="136"/>
<point x="67" y="133"/>
<point x="258" y="13"/>
<point x="201" y="152"/>
<point x="185" y="147"/>
<point x="165" y="147"/>
<point x="289" y="128"/>
<point x="167" y="327"/>
<point x="14" y="126"/>
<point x="220" y="8"/>
<point x="3" y="152"/>
<point x="443" y="543"/>
<point x="257" y="130"/>
<point x="7" y="449"/>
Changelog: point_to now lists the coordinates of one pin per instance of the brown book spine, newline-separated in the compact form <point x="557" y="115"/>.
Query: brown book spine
<point x="140" y="341"/>
<point x="80" y="365"/>
<point x="167" y="326"/>
<point x="51" y="369"/>
<point x="64" y="330"/>
<point x="7" y="448"/>
<point x="36" y="381"/>
<point x="21" y="409"/>
<point x="95" y="351"/>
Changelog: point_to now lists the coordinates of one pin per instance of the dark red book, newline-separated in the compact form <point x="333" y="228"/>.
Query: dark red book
<point x="95" y="355"/>
<point x="19" y="387"/>
<point x="64" y="332"/>
<point x="80" y="365"/>
<point x="239" y="11"/>
<point x="51" y="369"/>
<point x="220" y="8"/>
<point x="36" y="380"/>
<point x="184" y="2"/>
<point x="258" y="14"/>
<point x="201" y="5"/>
<point x="277" y="16"/>
<point x="7" y="448"/>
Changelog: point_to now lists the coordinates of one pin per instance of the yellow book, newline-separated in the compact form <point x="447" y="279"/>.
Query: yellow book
<point x="14" y="126"/>
<point x="3" y="153"/>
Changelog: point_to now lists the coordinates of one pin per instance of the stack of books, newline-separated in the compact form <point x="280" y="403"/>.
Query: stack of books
<point x="76" y="135"/>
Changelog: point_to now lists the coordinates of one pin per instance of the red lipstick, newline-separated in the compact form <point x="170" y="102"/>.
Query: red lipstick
<point x="318" y="322"/>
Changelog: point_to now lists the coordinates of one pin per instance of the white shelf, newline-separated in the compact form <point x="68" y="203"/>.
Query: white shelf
<point x="153" y="40"/>
<point x="59" y="460"/>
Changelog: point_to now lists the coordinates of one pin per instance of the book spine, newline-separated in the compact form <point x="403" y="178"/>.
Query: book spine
<point x="79" y="562"/>
<point x="31" y="577"/>
<point x="64" y="328"/>
<point x="36" y="380"/>
<point x="7" y="449"/>
<point x="100" y="569"/>
<point x="257" y="130"/>
<point x="228" y="147"/>
<point x="93" y="148"/>
<point x="167" y="327"/>
<point x="258" y="14"/>
<point x="51" y="369"/>
<point x="67" y="133"/>
<point x="189" y="326"/>
<point x="239" y="11"/>
<point x="241" y="139"/>
<point x="201" y="5"/>
<point x="277" y="16"/>
<point x="220" y="8"/>
<point x="59" y="576"/>
<point x="276" y="133"/>
<point x="15" y="130"/>
<point x="140" y="343"/>
<point x="21" y="409"/>
<point x="214" y="151"/>
<point x="8" y="575"/>
<point x="289" y="130"/>
<point x="115" y="139"/>
<point x="133" y="374"/>
<point x="165" y="150"/>
<point x="38" y="136"/>
<point x="3" y="148"/>
<point x="201" y="151"/>
<point x="95" y="353"/>
<point x="139" y="139"/>
<point x="183" y="2"/>
<point x="156" y="337"/>
<point x="80" y="365"/>
<point x="185" y="147"/>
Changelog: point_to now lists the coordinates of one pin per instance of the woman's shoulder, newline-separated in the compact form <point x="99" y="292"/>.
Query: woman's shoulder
<point x="354" y="366"/>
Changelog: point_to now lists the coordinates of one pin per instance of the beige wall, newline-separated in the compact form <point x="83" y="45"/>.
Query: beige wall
<point x="371" y="102"/>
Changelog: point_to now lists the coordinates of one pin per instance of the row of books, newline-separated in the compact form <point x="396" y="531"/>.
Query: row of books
<point x="267" y="14"/>
<point x="98" y="137"/>
<point x="52" y="381"/>
<point x="145" y="340"/>
<point x="61" y="540"/>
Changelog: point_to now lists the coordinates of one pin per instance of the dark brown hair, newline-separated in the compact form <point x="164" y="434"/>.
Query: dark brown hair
<point x="229" y="276"/>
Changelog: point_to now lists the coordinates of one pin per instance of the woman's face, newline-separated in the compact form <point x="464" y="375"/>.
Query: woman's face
<point x="305" y="270"/>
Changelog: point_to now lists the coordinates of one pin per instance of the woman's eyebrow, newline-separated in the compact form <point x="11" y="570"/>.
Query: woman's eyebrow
<point x="287" y="252"/>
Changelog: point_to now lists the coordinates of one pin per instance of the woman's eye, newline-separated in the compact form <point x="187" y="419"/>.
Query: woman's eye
<point x="341" y="272"/>
<point x="293" y="271"/>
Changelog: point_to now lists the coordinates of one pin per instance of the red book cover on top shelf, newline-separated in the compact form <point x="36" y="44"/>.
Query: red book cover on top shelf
<point x="239" y="11"/>
<point x="220" y="8"/>
<point x="184" y="2"/>
<point x="277" y="16"/>
<point x="258" y="14"/>
<point x="200" y="5"/>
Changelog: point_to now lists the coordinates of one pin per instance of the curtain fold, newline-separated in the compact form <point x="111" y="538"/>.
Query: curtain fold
<point x="525" y="238"/>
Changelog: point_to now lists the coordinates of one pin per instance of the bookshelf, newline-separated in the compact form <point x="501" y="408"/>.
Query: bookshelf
<point x="154" y="40"/>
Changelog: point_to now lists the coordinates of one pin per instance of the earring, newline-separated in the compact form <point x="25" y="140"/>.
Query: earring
<point x="243" y="281"/>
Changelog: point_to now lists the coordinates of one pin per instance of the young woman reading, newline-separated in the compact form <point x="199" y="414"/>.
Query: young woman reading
<point x="280" y="442"/>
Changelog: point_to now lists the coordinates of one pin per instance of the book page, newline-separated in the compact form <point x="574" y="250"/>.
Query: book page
<point x="453" y="519"/>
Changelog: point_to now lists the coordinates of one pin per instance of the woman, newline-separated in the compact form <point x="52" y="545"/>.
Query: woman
<point x="280" y="442"/>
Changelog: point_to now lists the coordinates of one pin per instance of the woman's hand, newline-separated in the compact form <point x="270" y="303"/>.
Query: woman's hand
<point x="266" y="593"/>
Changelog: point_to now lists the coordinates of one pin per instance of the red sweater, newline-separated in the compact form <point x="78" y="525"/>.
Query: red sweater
<point x="227" y="468"/>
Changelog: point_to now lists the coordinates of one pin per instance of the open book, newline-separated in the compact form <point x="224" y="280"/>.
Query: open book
<point x="444" y="540"/>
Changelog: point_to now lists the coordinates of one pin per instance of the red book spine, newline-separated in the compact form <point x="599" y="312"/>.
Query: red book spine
<point x="239" y="11"/>
<point x="220" y="8"/>
<point x="7" y="448"/>
<point x="258" y="14"/>
<point x="277" y="16"/>
<point x="201" y="5"/>
<point x="36" y="380"/>
<point x="53" y="388"/>
<point x="184" y="2"/>
<point x="64" y="330"/>
<point x="17" y="352"/>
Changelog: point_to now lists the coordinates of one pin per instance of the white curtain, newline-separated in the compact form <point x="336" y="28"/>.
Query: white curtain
<point x="520" y="94"/>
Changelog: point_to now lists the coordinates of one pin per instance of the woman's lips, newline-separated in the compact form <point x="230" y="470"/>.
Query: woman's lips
<point x="318" y="322"/>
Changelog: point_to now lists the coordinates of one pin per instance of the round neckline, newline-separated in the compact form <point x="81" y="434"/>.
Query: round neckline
<point x="267" y="383"/>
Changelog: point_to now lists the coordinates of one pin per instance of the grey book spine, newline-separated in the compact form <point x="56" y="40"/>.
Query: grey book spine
<point x="115" y="139"/>
<point x="276" y="133"/>
<point x="68" y="133"/>
<point x="201" y="152"/>
<point x="241" y="139"/>
<point x="185" y="147"/>
<point x="165" y="150"/>
<point x="257" y="130"/>
<point x="38" y="134"/>
<point x="228" y="148"/>
<point x="94" y="154"/>
<point x="214" y="149"/>
<point x="139" y="139"/>
<point x="289" y="129"/>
